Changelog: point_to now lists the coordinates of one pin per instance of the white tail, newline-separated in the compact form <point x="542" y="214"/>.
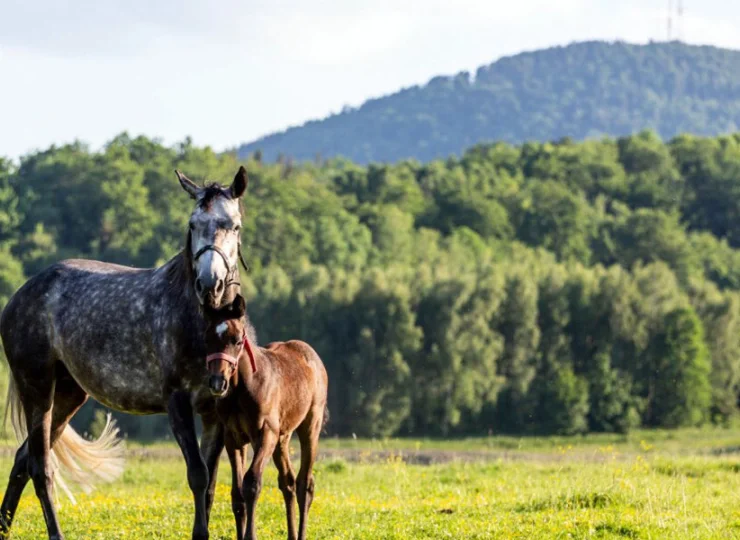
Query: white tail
<point x="83" y="462"/>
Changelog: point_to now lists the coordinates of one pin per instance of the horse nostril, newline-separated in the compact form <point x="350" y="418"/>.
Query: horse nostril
<point x="218" y="384"/>
<point x="219" y="286"/>
<point x="198" y="286"/>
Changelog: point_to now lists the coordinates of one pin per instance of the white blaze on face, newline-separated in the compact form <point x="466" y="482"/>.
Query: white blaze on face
<point x="221" y="328"/>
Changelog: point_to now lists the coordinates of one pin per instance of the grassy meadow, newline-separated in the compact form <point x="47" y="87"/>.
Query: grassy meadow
<point x="678" y="485"/>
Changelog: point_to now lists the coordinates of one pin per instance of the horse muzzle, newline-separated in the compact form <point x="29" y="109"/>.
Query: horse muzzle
<point x="210" y="292"/>
<point x="218" y="385"/>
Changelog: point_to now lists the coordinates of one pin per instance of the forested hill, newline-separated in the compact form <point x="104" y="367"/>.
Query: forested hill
<point x="579" y="91"/>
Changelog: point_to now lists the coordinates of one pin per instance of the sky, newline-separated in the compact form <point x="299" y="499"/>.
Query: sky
<point x="226" y="72"/>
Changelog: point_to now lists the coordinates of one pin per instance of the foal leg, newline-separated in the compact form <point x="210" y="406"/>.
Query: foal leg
<point x="237" y="458"/>
<point x="182" y="421"/>
<point x="286" y="481"/>
<point x="68" y="398"/>
<point x="211" y="446"/>
<point x="263" y="447"/>
<point x="308" y="433"/>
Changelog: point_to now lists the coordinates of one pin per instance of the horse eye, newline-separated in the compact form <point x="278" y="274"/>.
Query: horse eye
<point x="191" y="225"/>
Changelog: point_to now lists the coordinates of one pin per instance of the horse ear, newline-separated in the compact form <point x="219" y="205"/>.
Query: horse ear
<point x="187" y="184"/>
<point x="239" y="185"/>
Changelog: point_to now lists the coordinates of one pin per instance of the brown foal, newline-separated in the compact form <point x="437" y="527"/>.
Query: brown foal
<point x="264" y="394"/>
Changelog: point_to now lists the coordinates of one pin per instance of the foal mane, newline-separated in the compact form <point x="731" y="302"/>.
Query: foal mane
<point x="250" y="329"/>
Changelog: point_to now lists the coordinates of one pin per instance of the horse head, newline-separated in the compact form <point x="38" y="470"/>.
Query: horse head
<point x="214" y="238"/>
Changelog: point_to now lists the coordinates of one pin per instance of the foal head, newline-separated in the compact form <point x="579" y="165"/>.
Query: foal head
<point x="214" y="237"/>
<point x="226" y="336"/>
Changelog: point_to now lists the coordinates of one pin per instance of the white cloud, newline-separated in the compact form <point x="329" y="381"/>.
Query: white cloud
<point x="338" y="39"/>
<point x="711" y="30"/>
<point x="121" y="27"/>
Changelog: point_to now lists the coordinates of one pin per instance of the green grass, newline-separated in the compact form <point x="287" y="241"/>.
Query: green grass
<point x="684" y="440"/>
<point x="671" y="487"/>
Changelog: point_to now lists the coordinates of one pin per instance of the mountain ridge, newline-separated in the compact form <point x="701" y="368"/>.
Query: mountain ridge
<point x="580" y="90"/>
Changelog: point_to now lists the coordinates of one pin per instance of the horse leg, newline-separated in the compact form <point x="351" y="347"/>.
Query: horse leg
<point x="182" y="422"/>
<point x="252" y="485"/>
<point x="37" y="404"/>
<point x="286" y="481"/>
<point x="237" y="458"/>
<point x="68" y="398"/>
<point x="19" y="477"/>
<point x="308" y="434"/>
<point x="211" y="446"/>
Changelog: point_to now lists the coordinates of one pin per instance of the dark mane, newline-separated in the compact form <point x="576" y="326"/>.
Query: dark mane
<point x="179" y="270"/>
<point x="211" y="191"/>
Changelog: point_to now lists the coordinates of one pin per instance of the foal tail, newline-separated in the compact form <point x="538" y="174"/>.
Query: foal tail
<point x="325" y="419"/>
<point x="83" y="462"/>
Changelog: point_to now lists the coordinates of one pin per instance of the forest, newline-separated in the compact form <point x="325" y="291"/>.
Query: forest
<point x="584" y="90"/>
<point x="561" y="287"/>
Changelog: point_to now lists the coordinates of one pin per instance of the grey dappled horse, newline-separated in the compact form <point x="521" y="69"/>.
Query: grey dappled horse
<point x="132" y="339"/>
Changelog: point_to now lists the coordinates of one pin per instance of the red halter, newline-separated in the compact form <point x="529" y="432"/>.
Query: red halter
<point x="234" y="360"/>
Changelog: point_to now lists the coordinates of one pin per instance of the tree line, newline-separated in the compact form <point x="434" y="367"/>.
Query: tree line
<point x="542" y="288"/>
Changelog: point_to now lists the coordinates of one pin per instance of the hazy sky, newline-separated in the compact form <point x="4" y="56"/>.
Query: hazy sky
<point x="226" y="72"/>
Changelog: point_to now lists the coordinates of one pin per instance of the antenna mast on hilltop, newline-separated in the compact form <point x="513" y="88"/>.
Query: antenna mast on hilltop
<point x="679" y="20"/>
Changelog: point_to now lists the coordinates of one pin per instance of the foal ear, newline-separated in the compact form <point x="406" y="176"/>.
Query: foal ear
<point x="187" y="184"/>
<point x="239" y="185"/>
<point x="238" y="307"/>
<point x="211" y="314"/>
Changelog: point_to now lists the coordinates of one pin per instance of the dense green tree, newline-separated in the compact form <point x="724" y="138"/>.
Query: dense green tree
<point x="654" y="181"/>
<point x="546" y="288"/>
<point x="457" y="364"/>
<point x="711" y="168"/>
<point x="376" y="341"/>
<point x="612" y="405"/>
<point x="679" y="392"/>
<point x="559" y="400"/>
<point x="647" y="236"/>
<point x="552" y="216"/>
<point x="127" y="220"/>
<point x="720" y="316"/>
<point x="10" y="216"/>
<point x="517" y="323"/>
